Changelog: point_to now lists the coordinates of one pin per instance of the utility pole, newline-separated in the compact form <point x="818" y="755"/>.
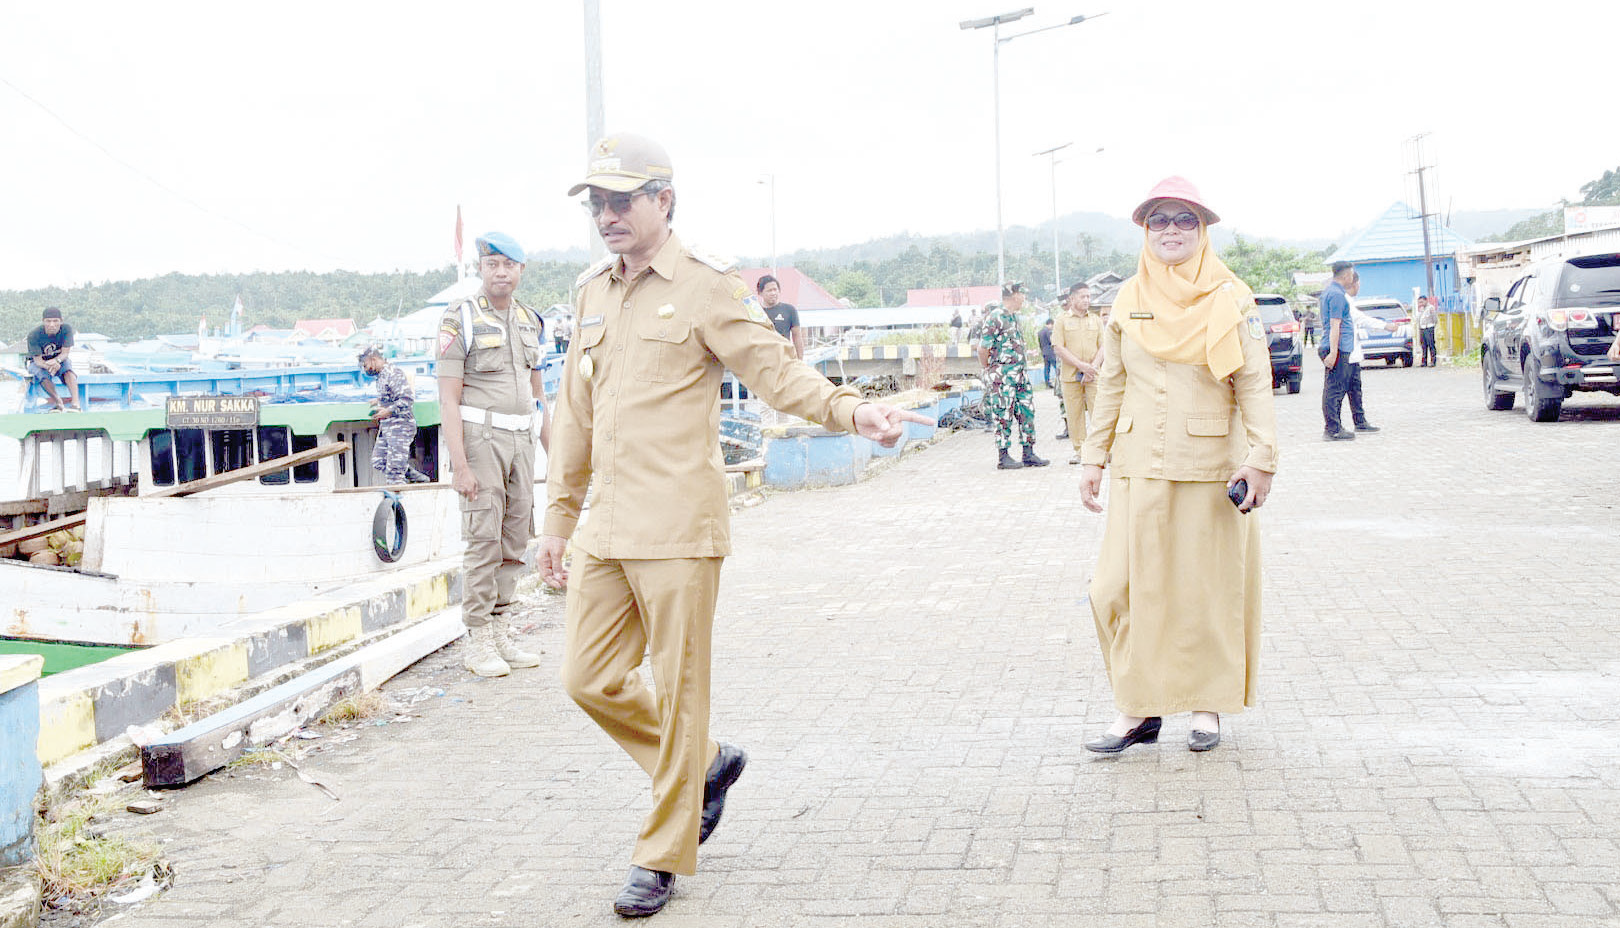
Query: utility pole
<point x="1423" y="209"/>
<point x="595" y="122"/>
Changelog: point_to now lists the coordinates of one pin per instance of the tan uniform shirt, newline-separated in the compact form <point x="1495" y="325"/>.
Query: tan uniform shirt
<point x="1176" y="421"/>
<point x="639" y="404"/>
<point x="505" y="349"/>
<point x="1081" y="335"/>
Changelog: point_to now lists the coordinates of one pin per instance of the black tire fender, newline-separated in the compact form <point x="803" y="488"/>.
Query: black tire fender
<point x="391" y="505"/>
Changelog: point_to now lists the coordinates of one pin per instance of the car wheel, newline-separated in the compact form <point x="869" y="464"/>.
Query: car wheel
<point x="1406" y="360"/>
<point x="1538" y="405"/>
<point x="1389" y="360"/>
<point x="1293" y="384"/>
<point x="1494" y="398"/>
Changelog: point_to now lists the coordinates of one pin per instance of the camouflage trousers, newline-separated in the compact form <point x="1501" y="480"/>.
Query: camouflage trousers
<point x="1007" y="398"/>
<point x="392" y="454"/>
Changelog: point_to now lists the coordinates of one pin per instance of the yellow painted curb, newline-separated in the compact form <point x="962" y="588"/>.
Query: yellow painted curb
<point x="331" y="629"/>
<point x="203" y="675"/>
<point x="429" y="596"/>
<point x="66" y="727"/>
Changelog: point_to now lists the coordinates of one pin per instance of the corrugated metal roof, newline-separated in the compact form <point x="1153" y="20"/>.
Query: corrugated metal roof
<point x="1396" y="235"/>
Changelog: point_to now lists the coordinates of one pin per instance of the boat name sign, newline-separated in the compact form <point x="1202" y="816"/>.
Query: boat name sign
<point x="211" y="412"/>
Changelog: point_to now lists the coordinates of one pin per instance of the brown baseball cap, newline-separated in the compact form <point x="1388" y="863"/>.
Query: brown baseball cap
<point x="623" y="163"/>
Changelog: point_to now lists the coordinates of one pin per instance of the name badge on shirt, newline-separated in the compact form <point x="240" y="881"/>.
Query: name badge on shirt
<point x="589" y="321"/>
<point x="1141" y="315"/>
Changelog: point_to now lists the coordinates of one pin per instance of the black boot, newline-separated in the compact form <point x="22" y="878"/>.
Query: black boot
<point x="1031" y="460"/>
<point x="412" y="475"/>
<point x="1007" y="462"/>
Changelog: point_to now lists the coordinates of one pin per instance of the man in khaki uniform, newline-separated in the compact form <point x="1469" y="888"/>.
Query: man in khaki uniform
<point x="1077" y="341"/>
<point x="489" y="390"/>
<point x="637" y="417"/>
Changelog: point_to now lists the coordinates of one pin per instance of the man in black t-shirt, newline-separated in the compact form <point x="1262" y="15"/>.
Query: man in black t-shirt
<point x="783" y="315"/>
<point x="48" y="347"/>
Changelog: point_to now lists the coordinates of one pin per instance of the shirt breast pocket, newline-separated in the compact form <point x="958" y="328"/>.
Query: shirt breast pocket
<point x="660" y="350"/>
<point x="488" y="353"/>
<point x="531" y="346"/>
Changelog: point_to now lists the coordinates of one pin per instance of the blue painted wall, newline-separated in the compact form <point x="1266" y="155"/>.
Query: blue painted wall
<point x="19" y="767"/>
<point x="1397" y="278"/>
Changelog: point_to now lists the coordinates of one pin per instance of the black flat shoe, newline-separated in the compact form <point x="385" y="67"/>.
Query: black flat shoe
<point x="1368" y="427"/>
<point x="645" y="892"/>
<point x="1145" y="733"/>
<point x="727" y="767"/>
<point x="1202" y="740"/>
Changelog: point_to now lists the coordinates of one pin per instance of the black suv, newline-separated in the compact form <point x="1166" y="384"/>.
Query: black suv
<point x="1550" y="335"/>
<point x="1282" y="331"/>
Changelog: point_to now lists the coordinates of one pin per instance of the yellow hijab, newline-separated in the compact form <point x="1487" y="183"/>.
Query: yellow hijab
<point x="1188" y="313"/>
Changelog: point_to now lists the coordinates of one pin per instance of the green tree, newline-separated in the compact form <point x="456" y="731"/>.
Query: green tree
<point x="1268" y="268"/>
<point x="857" y="287"/>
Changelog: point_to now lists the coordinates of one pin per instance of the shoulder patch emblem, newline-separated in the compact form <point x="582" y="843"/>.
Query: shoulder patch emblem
<point x="739" y="293"/>
<point x="716" y="261"/>
<point x="1256" y="330"/>
<point x="594" y="270"/>
<point x="755" y="310"/>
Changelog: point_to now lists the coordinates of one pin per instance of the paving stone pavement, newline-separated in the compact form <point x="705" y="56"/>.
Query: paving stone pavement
<point x="911" y="666"/>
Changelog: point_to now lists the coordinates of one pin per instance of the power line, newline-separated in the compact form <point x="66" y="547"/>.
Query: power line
<point x="157" y="183"/>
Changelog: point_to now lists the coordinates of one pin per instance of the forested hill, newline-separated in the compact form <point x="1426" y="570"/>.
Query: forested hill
<point x="172" y="304"/>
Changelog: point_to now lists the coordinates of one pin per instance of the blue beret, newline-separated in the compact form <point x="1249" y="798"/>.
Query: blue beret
<point x="499" y="243"/>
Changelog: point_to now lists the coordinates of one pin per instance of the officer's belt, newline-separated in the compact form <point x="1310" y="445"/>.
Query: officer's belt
<point x="501" y="420"/>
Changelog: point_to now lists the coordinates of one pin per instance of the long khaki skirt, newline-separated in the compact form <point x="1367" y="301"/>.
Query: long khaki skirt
<point x="1176" y="598"/>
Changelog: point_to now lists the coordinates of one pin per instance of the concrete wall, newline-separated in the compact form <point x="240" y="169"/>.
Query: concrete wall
<point x="19" y="763"/>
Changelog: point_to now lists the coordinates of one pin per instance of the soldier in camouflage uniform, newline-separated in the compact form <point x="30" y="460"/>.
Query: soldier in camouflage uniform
<point x="1007" y="394"/>
<point x="395" y="415"/>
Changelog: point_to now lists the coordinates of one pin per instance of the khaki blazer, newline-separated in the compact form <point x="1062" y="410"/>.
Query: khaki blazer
<point x="1175" y="421"/>
<point x="1081" y="335"/>
<point x="637" y="415"/>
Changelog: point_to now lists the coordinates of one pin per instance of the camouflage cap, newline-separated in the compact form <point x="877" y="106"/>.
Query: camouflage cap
<point x="622" y="163"/>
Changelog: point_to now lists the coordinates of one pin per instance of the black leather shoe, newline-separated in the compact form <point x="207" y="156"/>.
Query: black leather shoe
<point x="1145" y="733"/>
<point x="1062" y="436"/>
<point x="727" y="767"/>
<point x="1368" y="427"/>
<point x="1202" y="740"/>
<point x="1340" y="435"/>
<point x="645" y="892"/>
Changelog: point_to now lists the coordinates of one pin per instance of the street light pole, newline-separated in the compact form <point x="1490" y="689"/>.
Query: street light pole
<point x="595" y="123"/>
<point x="1057" y="248"/>
<point x="994" y="22"/>
<point x="771" y="180"/>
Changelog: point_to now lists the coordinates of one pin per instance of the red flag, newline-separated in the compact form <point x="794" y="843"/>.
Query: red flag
<point x="458" y="235"/>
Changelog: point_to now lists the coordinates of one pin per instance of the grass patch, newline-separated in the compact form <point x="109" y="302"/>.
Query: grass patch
<point x="356" y="708"/>
<point x="1469" y="358"/>
<point x="260" y="757"/>
<point x="77" y="864"/>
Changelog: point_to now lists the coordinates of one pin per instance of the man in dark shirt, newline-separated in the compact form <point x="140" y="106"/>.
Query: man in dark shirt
<point x="784" y="317"/>
<point x="1048" y="356"/>
<point x="48" y="347"/>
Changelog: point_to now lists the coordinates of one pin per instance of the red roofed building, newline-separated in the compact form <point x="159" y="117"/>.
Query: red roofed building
<point x="953" y="296"/>
<point x="797" y="289"/>
<point x="331" y="331"/>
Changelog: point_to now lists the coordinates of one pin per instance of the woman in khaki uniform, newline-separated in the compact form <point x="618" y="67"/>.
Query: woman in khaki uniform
<point x="1183" y="416"/>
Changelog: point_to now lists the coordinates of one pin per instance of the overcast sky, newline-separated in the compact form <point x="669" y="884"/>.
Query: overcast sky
<point x="224" y="138"/>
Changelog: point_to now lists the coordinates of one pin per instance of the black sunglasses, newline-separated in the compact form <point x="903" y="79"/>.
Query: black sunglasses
<point x="1184" y="221"/>
<point x="618" y="202"/>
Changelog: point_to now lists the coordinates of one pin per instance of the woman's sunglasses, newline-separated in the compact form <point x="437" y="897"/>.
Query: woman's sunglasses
<point x="1186" y="222"/>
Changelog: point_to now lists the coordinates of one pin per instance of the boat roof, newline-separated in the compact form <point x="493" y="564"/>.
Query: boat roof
<point x="312" y="418"/>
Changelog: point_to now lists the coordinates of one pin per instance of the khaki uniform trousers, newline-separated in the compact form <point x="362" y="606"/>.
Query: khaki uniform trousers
<point x="497" y="524"/>
<point x="616" y="610"/>
<point x="1079" y="399"/>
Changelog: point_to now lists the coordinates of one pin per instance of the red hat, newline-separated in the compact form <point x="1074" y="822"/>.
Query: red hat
<point x="1174" y="188"/>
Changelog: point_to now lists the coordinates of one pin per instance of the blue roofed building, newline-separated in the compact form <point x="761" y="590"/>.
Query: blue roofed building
<point x="1389" y="256"/>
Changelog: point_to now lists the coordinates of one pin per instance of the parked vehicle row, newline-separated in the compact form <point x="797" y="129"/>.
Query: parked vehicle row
<point x="1549" y="337"/>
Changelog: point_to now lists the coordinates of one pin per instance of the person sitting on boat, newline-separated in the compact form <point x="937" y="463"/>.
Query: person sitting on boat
<point x="48" y="347"/>
<point x="394" y="411"/>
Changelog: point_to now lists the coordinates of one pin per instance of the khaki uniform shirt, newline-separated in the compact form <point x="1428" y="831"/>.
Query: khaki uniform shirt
<point x="638" y="409"/>
<point x="505" y="349"/>
<point x="1081" y="335"/>
<point x="1176" y="421"/>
